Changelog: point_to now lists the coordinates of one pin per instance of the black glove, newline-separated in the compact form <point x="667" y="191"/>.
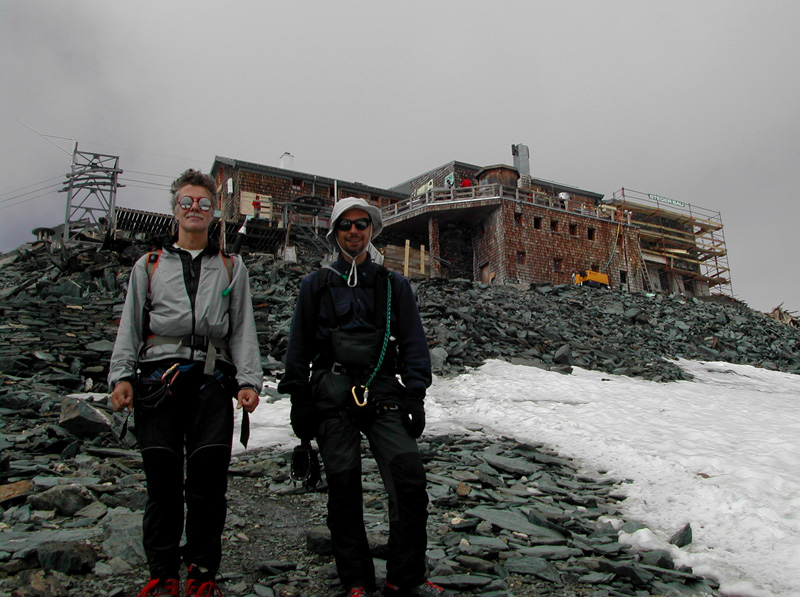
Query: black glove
<point x="303" y="417"/>
<point x="415" y="416"/>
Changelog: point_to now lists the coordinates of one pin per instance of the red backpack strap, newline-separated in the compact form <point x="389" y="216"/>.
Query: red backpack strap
<point x="227" y="260"/>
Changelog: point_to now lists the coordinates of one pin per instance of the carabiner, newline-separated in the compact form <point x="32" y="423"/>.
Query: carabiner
<point x="355" y="396"/>
<point x="167" y="372"/>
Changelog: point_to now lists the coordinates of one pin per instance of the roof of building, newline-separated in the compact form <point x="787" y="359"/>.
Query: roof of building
<point x="405" y="187"/>
<point x="284" y="173"/>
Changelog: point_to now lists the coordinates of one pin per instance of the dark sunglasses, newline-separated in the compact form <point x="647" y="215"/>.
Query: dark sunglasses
<point x="361" y="224"/>
<point x="186" y="202"/>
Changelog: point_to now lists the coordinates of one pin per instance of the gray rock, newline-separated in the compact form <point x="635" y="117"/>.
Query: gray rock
<point x="538" y="567"/>
<point x="596" y="578"/>
<point x="551" y="552"/>
<point x="511" y="465"/>
<point x="101" y="346"/>
<point x="658" y="558"/>
<point x="563" y="355"/>
<point x="637" y="575"/>
<point x="122" y="535"/>
<point x="461" y="581"/>
<point x="25" y="544"/>
<point x="518" y="523"/>
<point x="68" y="557"/>
<point x="318" y="540"/>
<point x="478" y="565"/>
<point x="683" y="537"/>
<point x="64" y="499"/>
<point x="95" y="511"/>
<point x="83" y="419"/>
<point x="492" y="545"/>
<point x="438" y="357"/>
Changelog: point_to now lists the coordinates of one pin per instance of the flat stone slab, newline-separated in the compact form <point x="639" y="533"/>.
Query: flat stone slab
<point x="23" y="544"/>
<point x="514" y="521"/>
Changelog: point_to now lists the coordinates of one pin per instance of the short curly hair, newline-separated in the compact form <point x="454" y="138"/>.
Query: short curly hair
<point x="193" y="177"/>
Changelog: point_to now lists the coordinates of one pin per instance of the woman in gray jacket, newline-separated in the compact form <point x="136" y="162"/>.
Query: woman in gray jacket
<point x="186" y="345"/>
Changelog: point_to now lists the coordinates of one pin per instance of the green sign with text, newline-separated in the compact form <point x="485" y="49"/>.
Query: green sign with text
<point x="661" y="199"/>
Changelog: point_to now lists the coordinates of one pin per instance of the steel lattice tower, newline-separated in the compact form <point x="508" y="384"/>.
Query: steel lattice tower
<point x="91" y="195"/>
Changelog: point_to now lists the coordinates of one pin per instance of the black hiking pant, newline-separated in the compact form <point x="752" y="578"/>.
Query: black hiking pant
<point x="403" y="474"/>
<point x="192" y="428"/>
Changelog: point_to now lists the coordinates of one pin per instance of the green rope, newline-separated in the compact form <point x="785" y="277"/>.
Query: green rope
<point x="386" y="335"/>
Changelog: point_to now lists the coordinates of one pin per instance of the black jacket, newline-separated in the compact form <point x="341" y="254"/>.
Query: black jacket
<point x="355" y="311"/>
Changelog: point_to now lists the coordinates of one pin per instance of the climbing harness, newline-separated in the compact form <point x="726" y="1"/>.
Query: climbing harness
<point x="210" y="345"/>
<point x="151" y="391"/>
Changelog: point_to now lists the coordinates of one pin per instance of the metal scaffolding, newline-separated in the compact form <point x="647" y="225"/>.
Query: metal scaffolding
<point x="91" y="196"/>
<point x="678" y="238"/>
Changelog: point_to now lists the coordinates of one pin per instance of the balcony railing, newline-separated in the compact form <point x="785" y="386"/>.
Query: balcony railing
<point x="466" y="195"/>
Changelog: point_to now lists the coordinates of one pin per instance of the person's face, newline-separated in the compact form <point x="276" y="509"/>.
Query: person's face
<point x="353" y="240"/>
<point x="193" y="219"/>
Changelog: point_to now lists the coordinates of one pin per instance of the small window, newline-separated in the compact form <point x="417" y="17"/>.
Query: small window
<point x="573" y="229"/>
<point x="517" y="219"/>
<point x="537" y="222"/>
<point x="623" y="276"/>
<point x="557" y="264"/>
<point x="590" y="233"/>
<point x="553" y="225"/>
<point x="520" y="257"/>
<point x="297" y="184"/>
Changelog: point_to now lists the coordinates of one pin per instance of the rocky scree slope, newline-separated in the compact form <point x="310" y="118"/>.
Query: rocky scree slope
<point x="57" y="326"/>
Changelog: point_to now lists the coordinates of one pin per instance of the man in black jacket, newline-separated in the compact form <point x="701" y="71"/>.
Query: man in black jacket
<point x="356" y="327"/>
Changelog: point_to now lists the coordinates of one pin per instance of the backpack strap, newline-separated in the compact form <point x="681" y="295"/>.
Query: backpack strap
<point x="227" y="261"/>
<point x="323" y="293"/>
<point x="153" y="258"/>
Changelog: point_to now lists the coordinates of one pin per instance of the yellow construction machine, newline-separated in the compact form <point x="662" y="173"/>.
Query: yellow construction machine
<point x="590" y="278"/>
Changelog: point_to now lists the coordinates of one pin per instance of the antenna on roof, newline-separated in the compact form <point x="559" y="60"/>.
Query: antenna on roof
<point x="286" y="160"/>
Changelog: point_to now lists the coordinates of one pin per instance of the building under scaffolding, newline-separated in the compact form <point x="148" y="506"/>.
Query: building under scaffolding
<point x="683" y="246"/>
<point x="494" y="224"/>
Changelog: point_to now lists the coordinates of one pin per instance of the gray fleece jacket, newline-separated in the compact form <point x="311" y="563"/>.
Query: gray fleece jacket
<point x="189" y="296"/>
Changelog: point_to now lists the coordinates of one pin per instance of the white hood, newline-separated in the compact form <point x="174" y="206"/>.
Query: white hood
<point x="344" y="205"/>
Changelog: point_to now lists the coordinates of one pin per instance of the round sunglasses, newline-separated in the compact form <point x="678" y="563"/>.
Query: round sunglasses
<point x="186" y="202"/>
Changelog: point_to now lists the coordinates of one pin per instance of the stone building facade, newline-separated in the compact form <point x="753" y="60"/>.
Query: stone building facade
<point x="525" y="242"/>
<point x="494" y="224"/>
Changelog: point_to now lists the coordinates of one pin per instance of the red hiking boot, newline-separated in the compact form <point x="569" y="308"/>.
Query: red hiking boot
<point x="201" y="583"/>
<point x="169" y="587"/>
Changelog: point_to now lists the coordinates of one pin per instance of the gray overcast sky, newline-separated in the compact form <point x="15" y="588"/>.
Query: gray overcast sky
<point x="696" y="101"/>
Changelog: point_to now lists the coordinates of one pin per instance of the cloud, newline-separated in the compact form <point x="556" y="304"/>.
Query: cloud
<point x="692" y="101"/>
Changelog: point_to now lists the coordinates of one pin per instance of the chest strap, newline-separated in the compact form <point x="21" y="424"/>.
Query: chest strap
<point x="205" y="343"/>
